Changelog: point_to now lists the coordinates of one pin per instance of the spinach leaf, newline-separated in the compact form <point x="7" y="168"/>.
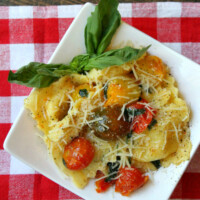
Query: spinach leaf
<point x="112" y="168"/>
<point x="101" y="26"/>
<point x="156" y="163"/>
<point x="153" y="122"/>
<point x="83" y="93"/>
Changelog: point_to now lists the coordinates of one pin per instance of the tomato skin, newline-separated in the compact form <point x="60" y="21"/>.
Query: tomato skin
<point x="130" y="180"/>
<point x="78" y="154"/>
<point x="141" y="122"/>
<point x="102" y="185"/>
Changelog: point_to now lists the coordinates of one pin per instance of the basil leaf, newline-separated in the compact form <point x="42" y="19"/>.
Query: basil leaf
<point x="112" y="168"/>
<point x="139" y="111"/>
<point x="41" y="75"/>
<point x="105" y="91"/>
<point x="153" y="123"/>
<point x="83" y="93"/>
<point x="64" y="163"/>
<point x="79" y="62"/>
<point x="114" y="57"/>
<point x="29" y="75"/>
<point x="156" y="163"/>
<point x="129" y="113"/>
<point x="101" y="26"/>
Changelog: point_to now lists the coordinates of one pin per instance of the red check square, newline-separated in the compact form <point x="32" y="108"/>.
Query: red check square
<point x="21" y="31"/>
<point x="45" y="188"/>
<point x="128" y="20"/>
<point x="190" y="30"/>
<point x="4" y="128"/>
<point x="188" y="180"/>
<point x="147" y="25"/>
<point x="5" y="89"/>
<point x="45" y="30"/>
<point x="4" y="31"/>
<point x="4" y="186"/>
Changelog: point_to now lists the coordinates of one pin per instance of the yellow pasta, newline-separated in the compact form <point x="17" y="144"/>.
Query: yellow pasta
<point x="72" y="107"/>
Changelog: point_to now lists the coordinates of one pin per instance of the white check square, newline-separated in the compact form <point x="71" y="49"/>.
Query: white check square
<point x="20" y="55"/>
<point x="20" y="12"/>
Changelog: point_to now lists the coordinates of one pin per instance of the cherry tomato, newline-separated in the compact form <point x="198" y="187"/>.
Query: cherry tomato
<point x="130" y="180"/>
<point x="102" y="185"/>
<point x="141" y="122"/>
<point x="78" y="154"/>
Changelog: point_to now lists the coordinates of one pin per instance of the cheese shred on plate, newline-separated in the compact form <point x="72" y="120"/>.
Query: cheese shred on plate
<point x="131" y="115"/>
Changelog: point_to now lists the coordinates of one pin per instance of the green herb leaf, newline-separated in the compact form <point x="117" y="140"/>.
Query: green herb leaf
<point x="139" y="111"/>
<point x="130" y="160"/>
<point x="129" y="113"/>
<point x="128" y="136"/>
<point x="156" y="163"/>
<point x="83" y="93"/>
<point x="101" y="26"/>
<point x="153" y="123"/>
<point x="41" y="75"/>
<point x="114" y="57"/>
<point x="105" y="91"/>
<point x="34" y="75"/>
<point x="112" y="167"/>
<point x="64" y="163"/>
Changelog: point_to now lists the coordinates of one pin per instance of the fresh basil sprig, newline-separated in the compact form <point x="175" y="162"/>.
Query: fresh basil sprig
<point x="41" y="75"/>
<point x="100" y="28"/>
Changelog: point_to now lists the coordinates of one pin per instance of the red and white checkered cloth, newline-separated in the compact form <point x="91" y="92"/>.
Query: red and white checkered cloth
<point x="32" y="33"/>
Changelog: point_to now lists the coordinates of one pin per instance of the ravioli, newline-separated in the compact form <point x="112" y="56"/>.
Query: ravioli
<point x="63" y="113"/>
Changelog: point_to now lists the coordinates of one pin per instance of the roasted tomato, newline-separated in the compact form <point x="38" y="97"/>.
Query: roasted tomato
<point x="152" y="65"/>
<point x="102" y="185"/>
<point x="78" y="154"/>
<point x="121" y="91"/>
<point x="108" y="127"/>
<point x="140" y="122"/>
<point x="130" y="180"/>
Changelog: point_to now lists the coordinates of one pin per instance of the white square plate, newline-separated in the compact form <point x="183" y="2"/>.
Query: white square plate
<point x="23" y="143"/>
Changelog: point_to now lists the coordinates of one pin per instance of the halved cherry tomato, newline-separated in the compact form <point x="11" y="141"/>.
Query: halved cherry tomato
<point x="78" y="154"/>
<point x="102" y="185"/>
<point x="141" y="122"/>
<point x="130" y="180"/>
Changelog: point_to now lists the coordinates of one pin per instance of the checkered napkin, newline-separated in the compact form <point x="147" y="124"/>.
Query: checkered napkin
<point x="32" y="33"/>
